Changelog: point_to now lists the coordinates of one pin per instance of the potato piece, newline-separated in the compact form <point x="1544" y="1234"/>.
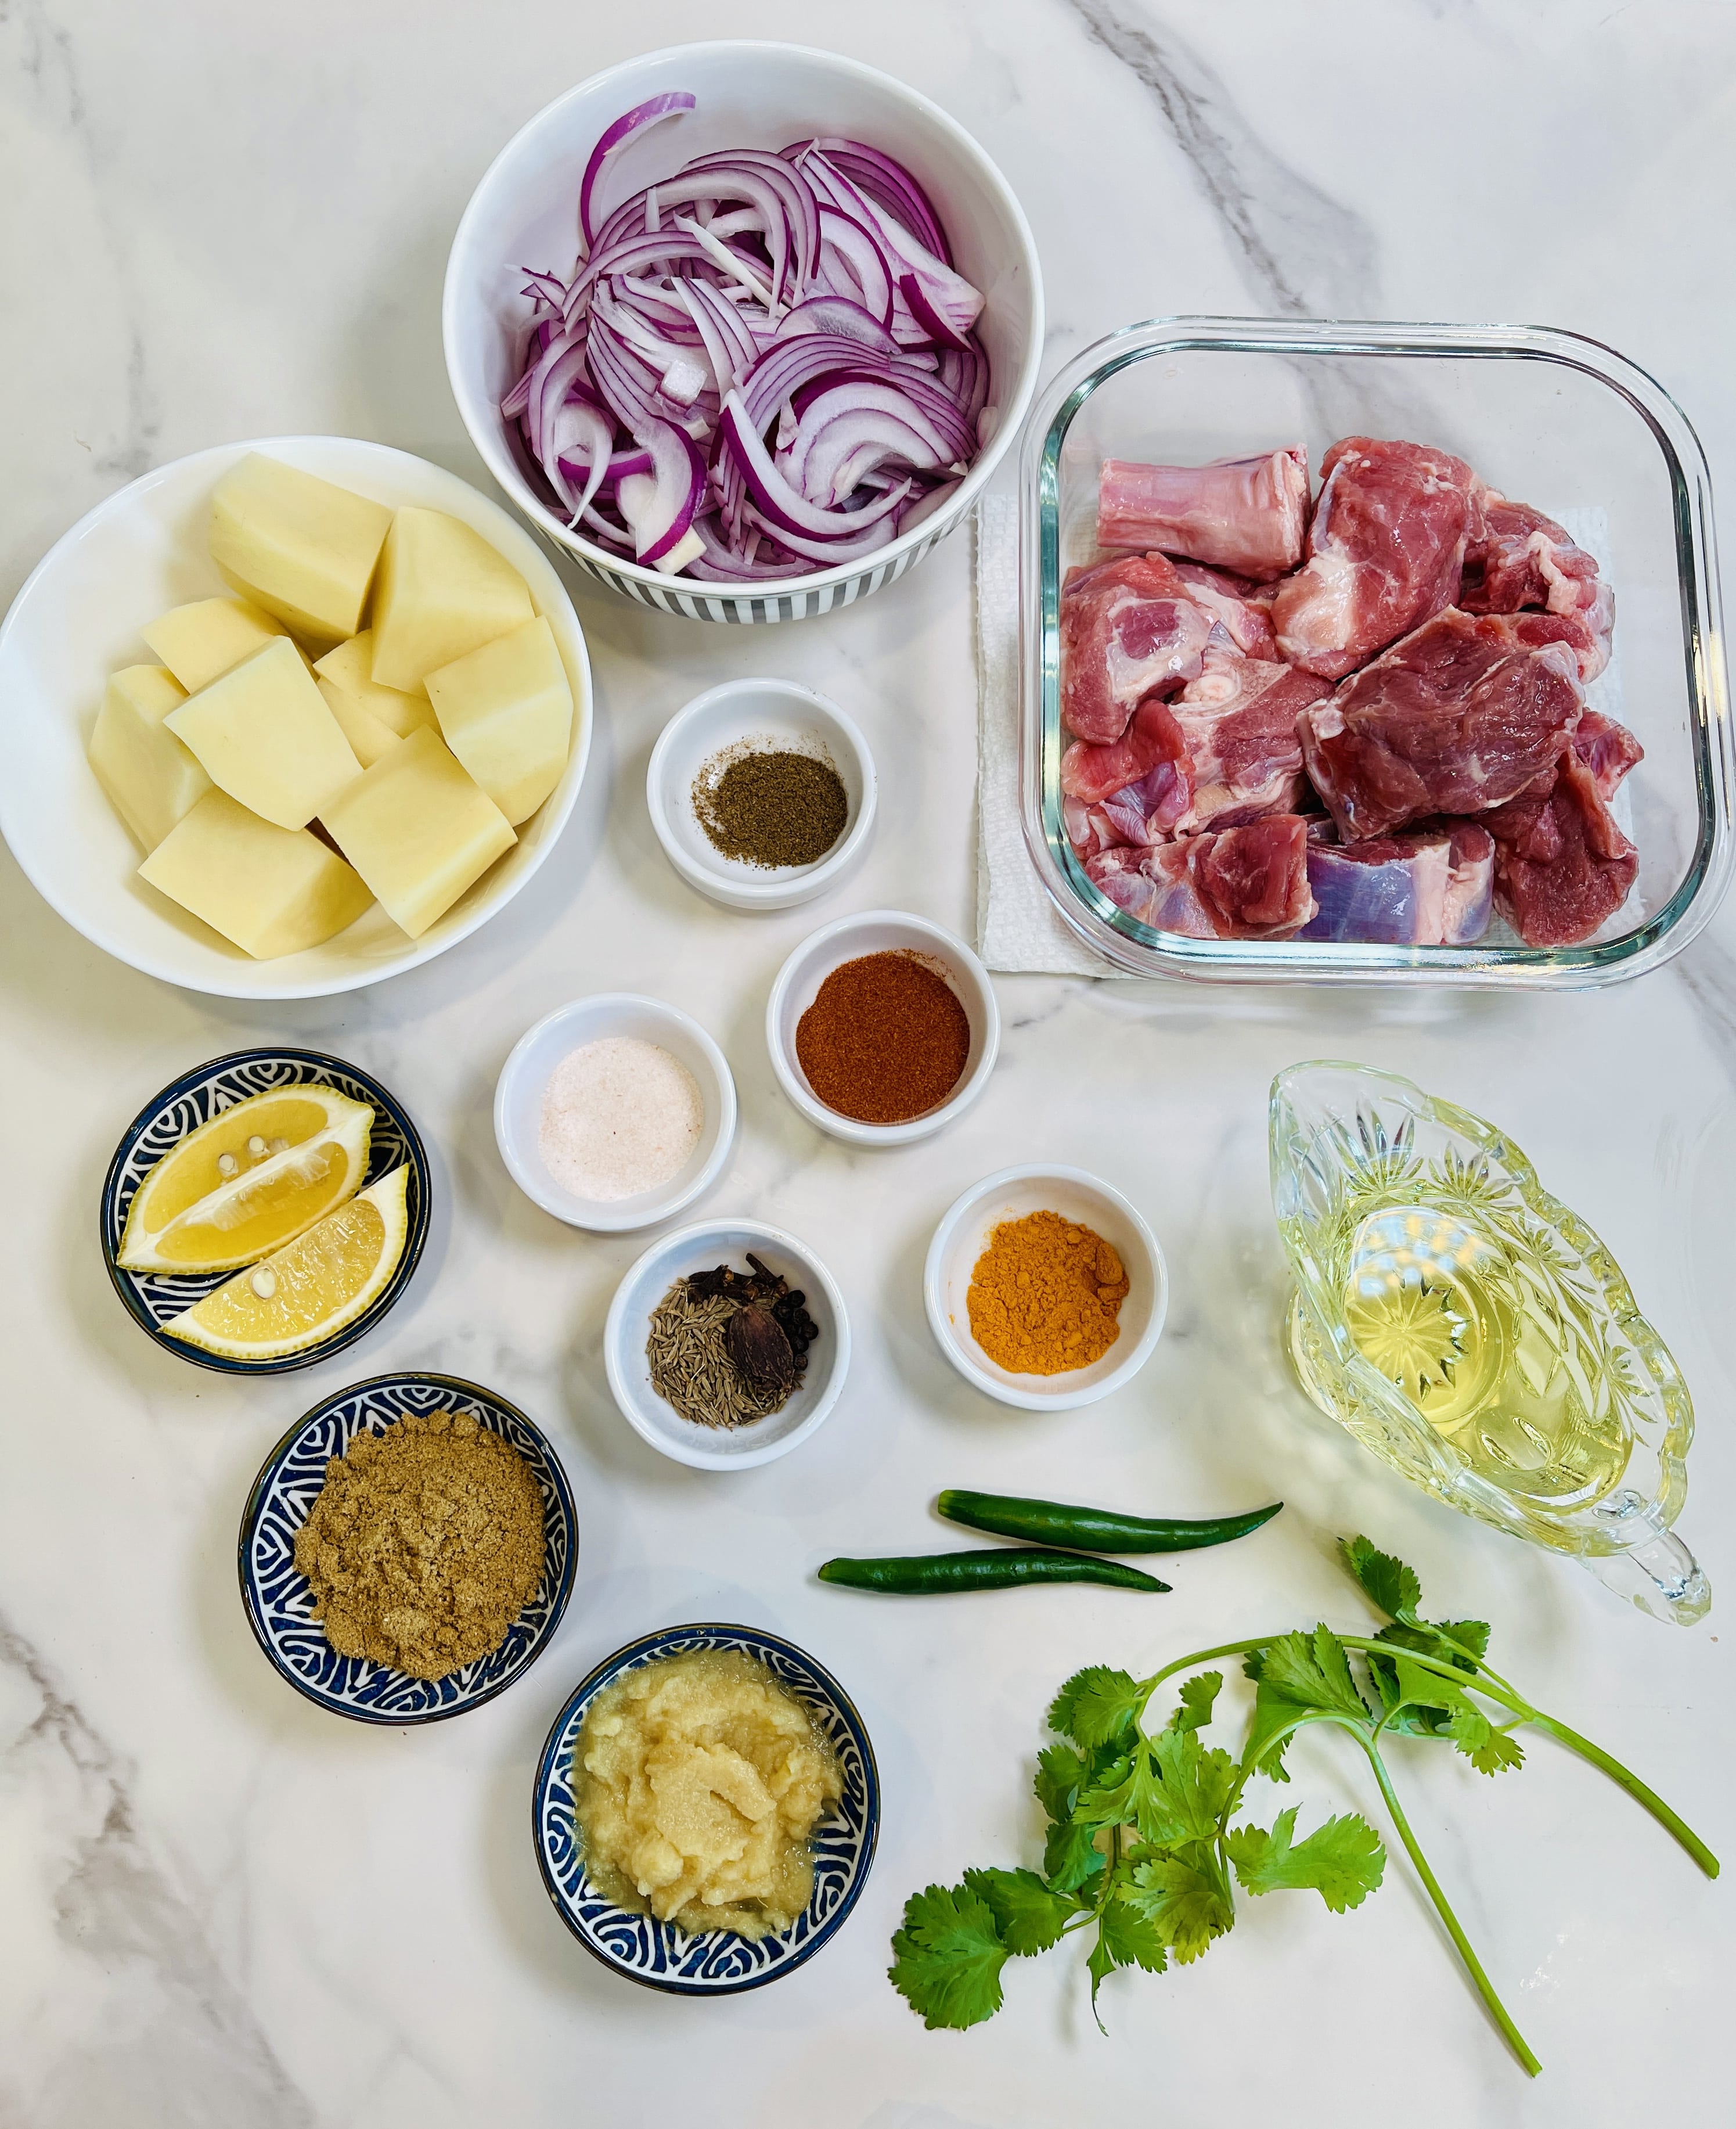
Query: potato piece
<point x="417" y="830"/>
<point x="373" y="719"/>
<point x="506" y="710"/>
<point x="300" y="547"/>
<point x="147" y="775"/>
<point x="271" y="890"/>
<point x="199" y="643"/>
<point x="263" y="733"/>
<point x="443" y="590"/>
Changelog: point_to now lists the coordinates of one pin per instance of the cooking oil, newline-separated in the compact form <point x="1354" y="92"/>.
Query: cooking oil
<point x="1475" y="1321"/>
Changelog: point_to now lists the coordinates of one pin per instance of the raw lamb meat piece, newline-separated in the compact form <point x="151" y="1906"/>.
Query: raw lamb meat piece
<point x="1151" y="741"/>
<point x="1244" y="514"/>
<point x="1522" y="560"/>
<point x="1562" y="865"/>
<point x="1386" y="548"/>
<point x="1590" y="651"/>
<point x="1239" y="721"/>
<point x="1246" y="883"/>
<point x="1457" y="718"/>
<point x="1607" y="748"/>
<point x="1127" y="627"/>
<point x="1139" y="813"/>
<point x="1226" y="598"/>
<point x="1431" y="887"/>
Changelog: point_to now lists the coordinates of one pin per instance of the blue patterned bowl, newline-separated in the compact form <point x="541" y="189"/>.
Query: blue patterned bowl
<point x="717" y="1963"/>
<point x="153" y="1298"/>
<point x="280" y="1603"/>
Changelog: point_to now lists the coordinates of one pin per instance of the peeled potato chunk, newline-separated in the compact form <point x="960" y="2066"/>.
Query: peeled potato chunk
<point x="373" y="719"/>
<point x="271" y="890"/>
<point x="442" y="591"/>
<point x="418" y="830"/>
<point x="263" y="734"/>
<point x="299" y="546"/>
<point x="148" y="776"/>
<point x="506" y="710"/>
<point x="200" y="642"/>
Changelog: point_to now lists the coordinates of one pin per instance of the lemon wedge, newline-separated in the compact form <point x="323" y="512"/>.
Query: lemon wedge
<point x="251" y="1179"/>
<point x="308" y="1290"/>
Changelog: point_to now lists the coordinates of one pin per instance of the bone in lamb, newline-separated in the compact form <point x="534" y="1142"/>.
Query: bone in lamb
<point x="1432" y="887"/>
<point x="1248" y="515"/>
<point x="1387" y="549"/>
<point x="1455" y="718"/>
<point x="1127" y="627"/>
<point x="1248" y="883"/>
<point x="1237" y="603"/>
<point x="1239" y="721"/>
<point x="1521" y="561"/>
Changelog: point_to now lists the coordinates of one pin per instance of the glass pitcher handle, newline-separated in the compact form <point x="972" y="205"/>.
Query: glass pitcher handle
<point x="1659" y="1575"/>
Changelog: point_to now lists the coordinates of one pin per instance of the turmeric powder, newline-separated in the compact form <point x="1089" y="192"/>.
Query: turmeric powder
<point x="1044" y="1295"/>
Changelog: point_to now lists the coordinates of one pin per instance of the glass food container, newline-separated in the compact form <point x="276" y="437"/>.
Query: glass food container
<point x="1548" y="417"/>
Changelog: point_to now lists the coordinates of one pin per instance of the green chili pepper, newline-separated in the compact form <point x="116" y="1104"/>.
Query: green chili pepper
<point x="1092" y="1529"/>
<point x="937" y="1573"/>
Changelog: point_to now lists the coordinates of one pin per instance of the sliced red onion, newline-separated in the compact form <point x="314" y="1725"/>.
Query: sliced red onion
<point x="659" y="506"/>
<point x="838" y="315"/>
<point x="617" y="136"/>
<point x="890" y="186"/>
<point x="830" y="553"/>
<point x="852" y="430"/>
<point x="788" y="512"/>
<point x="865" y="258"/>
<point x="949" y="293"/>
<point x="576" y="423"/>
<point x="937" y="327"/>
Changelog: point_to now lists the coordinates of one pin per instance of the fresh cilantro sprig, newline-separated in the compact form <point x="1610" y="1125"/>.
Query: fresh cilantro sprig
<point x="1147" y="1843"/>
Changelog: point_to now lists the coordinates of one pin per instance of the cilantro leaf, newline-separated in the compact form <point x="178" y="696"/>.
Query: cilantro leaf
<point x="1028" y="1916"/>
<point x="1125" y="1938"/>
<point x="1471" y="1636"/>
<point x="1498" y="1751"/>
<point x="1097" y="1706"/>
<point x="1127" y="1793"/>
<point x="1197" y="1695"/>
<point x="1060" y="1772"/>
<point x="1342" y="1859"/>
<point x="1461" y="1642"/>
<point x="1389" y="1585"/>
<point x="1196" y="1784"/>
<point x="947" y="1957"/>
<point x="1310" y="1670"/>
<point x="1182" y="1899"/>
<point x="1071" y="1857"/>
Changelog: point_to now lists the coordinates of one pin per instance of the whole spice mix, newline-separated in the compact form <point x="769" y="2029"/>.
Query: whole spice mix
<point x="770" y="806"/>
<point x="728" y="1347"/>
<point x="1045" y="1294"/>
<point x="885" y="1039"/>
<point x="425" y="1544"/>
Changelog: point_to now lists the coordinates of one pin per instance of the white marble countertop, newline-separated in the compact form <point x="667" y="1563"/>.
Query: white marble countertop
<point x="218" y="1904"/>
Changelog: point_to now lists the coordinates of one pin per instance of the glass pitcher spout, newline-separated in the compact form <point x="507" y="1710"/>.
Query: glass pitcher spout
<point x="1474" y="1333"/>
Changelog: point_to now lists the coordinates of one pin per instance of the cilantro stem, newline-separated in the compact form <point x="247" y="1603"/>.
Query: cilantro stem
<point x="1497" y="2010"/>
<point x="1634" y="1786"/>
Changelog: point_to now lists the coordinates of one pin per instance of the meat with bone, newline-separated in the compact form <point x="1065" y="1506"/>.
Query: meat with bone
<point x="1143" y="812"/>
<point x="1127" y="627"/>
<point x="1234" y="601"/>
<point x="1607" y="748"/>
<point x="1244" y="514"/>
<point x="1248" y="883"/>
<point x="1521" y="560"/>
<point x="1562" y="866"/>
<point x="1239" y="720"/>
<point x="1432" y="887"/>
<point x="1152" y="740"/>
<point x="1387" y="549"/>
<point x="1455" y="718"/>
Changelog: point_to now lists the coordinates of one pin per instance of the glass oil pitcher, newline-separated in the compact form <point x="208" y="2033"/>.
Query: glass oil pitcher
<point x="1476" y="1334"/>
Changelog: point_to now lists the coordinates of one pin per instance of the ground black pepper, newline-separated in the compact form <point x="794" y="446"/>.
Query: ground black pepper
<point x="770" y="806"/>
<point x="885" y="1039"/>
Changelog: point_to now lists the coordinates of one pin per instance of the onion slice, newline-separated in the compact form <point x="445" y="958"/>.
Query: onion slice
<point x="617" y="136"/>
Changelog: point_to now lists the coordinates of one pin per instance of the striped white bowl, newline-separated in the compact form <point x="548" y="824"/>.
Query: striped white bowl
<point x="526" y="212"/>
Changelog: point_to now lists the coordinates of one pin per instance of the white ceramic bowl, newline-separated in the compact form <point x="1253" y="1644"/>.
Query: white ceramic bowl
<point x="962" y="1237"/>
<point x="518" y="1104"/>
<point x="756" y="711"/>
<point x="880" y="931"/>
<point x="526" y="212"/>
<point x="697" y="1249"/>
<point x="77" y="620"/>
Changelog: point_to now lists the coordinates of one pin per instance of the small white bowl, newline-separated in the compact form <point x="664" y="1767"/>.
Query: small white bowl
<point x="524" y="212"/>
<point x="880" y="931"/>
<point x="77" y="619"/>
<point x="697" y="1249"/>
<point x="962" y="1237"/>
<point x="518" y="1108"/>
<point x="757" y="712"/>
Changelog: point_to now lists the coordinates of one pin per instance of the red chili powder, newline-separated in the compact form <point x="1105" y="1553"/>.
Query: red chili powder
<point x="885" y="1040"/>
